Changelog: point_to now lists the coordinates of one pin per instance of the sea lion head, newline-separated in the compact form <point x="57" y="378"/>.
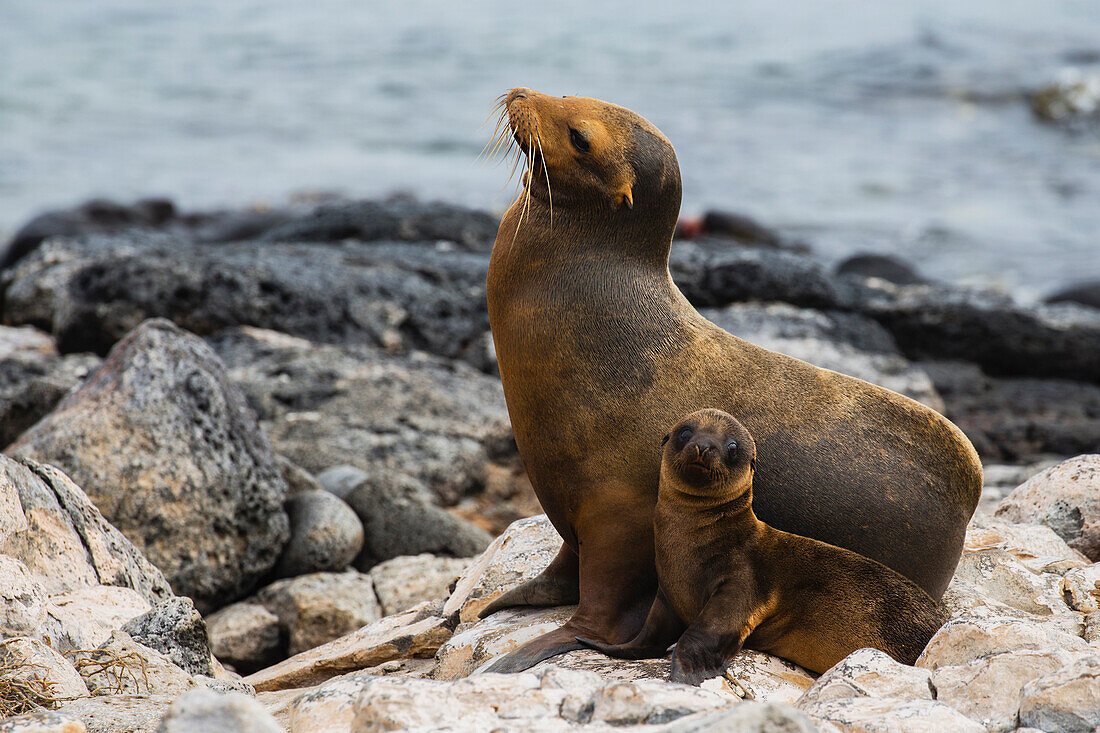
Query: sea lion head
<point x="709" y="451"/>
<point x="586" y="153"/>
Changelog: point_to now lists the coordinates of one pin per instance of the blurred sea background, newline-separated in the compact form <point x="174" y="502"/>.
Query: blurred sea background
<point x="900" y="127"/>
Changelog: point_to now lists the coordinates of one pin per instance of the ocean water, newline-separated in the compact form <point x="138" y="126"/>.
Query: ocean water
<point x="855" y="125"/>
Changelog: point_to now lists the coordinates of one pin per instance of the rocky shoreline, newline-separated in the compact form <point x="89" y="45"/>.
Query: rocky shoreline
<point x="272" y="443"/>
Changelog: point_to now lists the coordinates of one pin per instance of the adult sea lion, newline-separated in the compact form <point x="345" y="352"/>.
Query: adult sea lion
<point x="726" y="579"/>
<point x="599" y="352"/>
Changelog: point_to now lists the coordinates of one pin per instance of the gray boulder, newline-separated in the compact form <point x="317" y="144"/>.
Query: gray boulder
<point x="168" y="450"/>
<point x="991" y="330"/>
<point x="399" y="519"/>
<point x="325" y="534"/>
<point x="174" y="628"/>
<point x="323" y="405"/>
<point x="883" y="267"/>
<point x="843" y="342"/>
<point x="714" y="273"/>
<point x="90" y="291"/>
<point x="1066" y="498"/>
<point x="1018" y="419"/>
<point x="395" y="219"/>
<point x="340" y="480"/>
<point x="97" y="215"/>
<point x="1084" y="293"/>
<point x="203" y="711"/>
<point x="34" y="378"/>
<point x="317" y="608"/>
<point x="246" y="636"/>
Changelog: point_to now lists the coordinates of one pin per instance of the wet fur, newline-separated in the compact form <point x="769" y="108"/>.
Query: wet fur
<point x="599" y="352"/>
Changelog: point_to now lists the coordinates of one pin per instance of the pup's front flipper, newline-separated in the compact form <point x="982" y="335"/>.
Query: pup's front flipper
<point x="660" y="630"/>
<point x="710" y="643"/>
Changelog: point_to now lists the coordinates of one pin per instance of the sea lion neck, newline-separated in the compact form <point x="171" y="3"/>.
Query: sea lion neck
<point x="534" y="238"/>
<point x="727" y="501"/>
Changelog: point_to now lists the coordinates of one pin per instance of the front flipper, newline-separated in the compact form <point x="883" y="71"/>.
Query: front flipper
<point x="710" y="643"/>
<point x="557" y="585"/>
<point x="661" y="628"/>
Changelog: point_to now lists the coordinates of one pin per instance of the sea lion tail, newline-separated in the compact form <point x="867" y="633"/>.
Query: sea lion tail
<point x="558" y="641"/>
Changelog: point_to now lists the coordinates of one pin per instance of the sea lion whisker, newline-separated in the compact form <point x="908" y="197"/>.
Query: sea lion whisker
<point x="546" y="171"/>
<point x="500" y="134"/>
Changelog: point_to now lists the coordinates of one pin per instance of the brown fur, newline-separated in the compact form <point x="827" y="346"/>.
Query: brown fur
<point x="731" y="580"/>
<point x="599" y="352"/>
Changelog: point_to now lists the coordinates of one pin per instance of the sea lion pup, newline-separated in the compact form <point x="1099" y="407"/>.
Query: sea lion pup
<point x="599" y="353"/>
<point x="731" y="580"/>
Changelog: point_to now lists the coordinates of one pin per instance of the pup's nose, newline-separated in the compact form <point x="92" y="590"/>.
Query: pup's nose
<point x="703" y="447"/>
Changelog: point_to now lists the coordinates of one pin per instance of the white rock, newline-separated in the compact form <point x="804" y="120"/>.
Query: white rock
<point x="474" y="645"/>
<point x="550" y="699"/>
<point x="888" y="715"/>
<point x="22" y="599"/>
<point x="651" y="701"/>
<point x="413" y="634"/>
<point x="46" y="721"/>
<point x="402" y="582"/>
<point x="1035" y="545"/>
<point x="763" y="678"/>
<point x="202" y="711"/>
<point x="745" y="717"/>
<point x="245" y="635"/>
<point x="67" y="542"/>
<point x="85" y="618"/>
<point x="590" y="660"/>
<point x="1066" y="701"/>
<point x="521" y="553"/>
<point x="963" y="640"/>
<point x="988" y="689"/>
<point x="117" y="713"/>
<point x="1081" y="588"/>
<point x="1066" y="498"/>
<point x="997" y="575"/>
<point x="12" y="518"/>
<point x="33" y="659"/>
<point x="869" y="673"/>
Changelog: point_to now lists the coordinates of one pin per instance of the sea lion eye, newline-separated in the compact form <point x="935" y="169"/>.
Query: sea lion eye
<point x="578" y="141"/>
<point x="731" y="447"/>
<point x="685" y="434"/>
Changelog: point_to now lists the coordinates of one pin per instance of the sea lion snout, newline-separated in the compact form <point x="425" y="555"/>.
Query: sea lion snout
<point x="518" y="93"/>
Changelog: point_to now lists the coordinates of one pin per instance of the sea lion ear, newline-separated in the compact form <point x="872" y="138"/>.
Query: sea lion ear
<point x="627" y="198"/>
<point x="665" y="439"/>
<point x="752" y="465"/>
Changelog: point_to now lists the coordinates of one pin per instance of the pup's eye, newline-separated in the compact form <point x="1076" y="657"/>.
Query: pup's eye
<point x="578" y="141"/>
<point x="731" y="447"/>
<point x="685" y="434"/>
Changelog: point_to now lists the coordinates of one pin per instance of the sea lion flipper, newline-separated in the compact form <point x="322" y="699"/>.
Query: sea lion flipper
<point x="557" y="585"/>
<point x="662" y="627"/>
<point x="551" y="644"/>
<point x="708" y="645"/>
<point x="626" y="651"/>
